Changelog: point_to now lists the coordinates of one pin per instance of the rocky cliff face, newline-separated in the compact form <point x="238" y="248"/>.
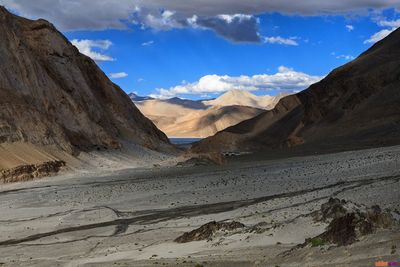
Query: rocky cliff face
<point x="50" y="94"/>
<point x="355" y="106"/>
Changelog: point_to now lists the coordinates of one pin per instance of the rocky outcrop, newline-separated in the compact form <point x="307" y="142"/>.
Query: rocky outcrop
<point x="206" y="231"/>
<point x="52" y="95"/>
<point x="348" y="224"/>
<point x="30" y="172"/>
<point x="355" y="106"/>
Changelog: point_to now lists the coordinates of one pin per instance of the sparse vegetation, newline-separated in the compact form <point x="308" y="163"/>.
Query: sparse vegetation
<point x="317" y="242"/>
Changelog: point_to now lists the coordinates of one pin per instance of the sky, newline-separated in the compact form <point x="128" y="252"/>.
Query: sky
<point x="200" y="49"/>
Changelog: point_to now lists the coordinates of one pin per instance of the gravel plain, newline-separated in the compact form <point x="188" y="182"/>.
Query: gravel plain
<point x="130" y="217"/>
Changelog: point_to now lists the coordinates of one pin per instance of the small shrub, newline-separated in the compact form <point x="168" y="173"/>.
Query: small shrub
<point x="316" y="242"/>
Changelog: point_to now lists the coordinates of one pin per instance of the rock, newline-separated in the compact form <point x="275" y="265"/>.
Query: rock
<point x="348" y="224"/>
<point x="378" y="218"/>
<point x="341" y="230"/>
<point x="206" y="231"/>
<point x="331" y="210"/>
<point x="29" y="172"/>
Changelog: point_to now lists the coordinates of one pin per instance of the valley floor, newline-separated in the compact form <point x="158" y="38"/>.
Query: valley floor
<point x="131" y="217"/>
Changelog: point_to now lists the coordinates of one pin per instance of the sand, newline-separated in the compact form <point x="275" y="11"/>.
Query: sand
<point x="130" y="216"/>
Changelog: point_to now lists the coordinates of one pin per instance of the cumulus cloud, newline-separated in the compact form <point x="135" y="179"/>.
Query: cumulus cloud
<point x="118" y="75"/>
<point x="164" y="15"/>
<point x="390" y="25"/>
<point x="280" y="40"/>
<point x="378" y="36"/>
<point x="164" y="20"/>
<point x="286" y="79"/>
<point x="88" y="47"/>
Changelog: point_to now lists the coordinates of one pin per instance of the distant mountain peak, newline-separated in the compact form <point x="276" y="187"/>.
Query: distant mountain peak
<point x="244" y="98"/>
<point x="134" y="97"/>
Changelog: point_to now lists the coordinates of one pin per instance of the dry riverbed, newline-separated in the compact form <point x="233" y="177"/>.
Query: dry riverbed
<point x="132" y="217"/>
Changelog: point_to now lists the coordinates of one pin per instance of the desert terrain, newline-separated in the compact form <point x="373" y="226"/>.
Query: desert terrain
<point x="203" y="118"/>
<point x="131" y="217"/>
<point x="307" y="177"/>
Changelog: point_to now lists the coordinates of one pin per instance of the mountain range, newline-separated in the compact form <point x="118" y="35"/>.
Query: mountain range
<point x="57" y="103"/>
<point x="355" y="106"/>
<point x="202" y="118"/>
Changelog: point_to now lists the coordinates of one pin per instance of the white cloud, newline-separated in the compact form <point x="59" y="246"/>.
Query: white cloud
<point x="379" y="36"/>
<point x="87" y="47"/>
<point x="350" y="28"/>
<point x="149" y="43"/>
<point x="389" y="23"/>
<point x="232" y="18"/>
<point x="345" y="57"/>
<point x="118" y="75"/>
<point x="286" y="79"/>
<point x="164" y="21"/>
<point x="280" y="40"/>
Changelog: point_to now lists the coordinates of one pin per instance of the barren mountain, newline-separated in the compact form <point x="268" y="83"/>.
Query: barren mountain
<point x="54" y="97"/>
<point x="187" y="118"/>
<point x="207" y="122"/>
<point x="134" y="97"/>
<point x="355" y="106"/>
<point x="244" y="98"/>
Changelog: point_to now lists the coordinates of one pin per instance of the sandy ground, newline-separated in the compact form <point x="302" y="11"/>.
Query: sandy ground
<point x="131" y="217"/>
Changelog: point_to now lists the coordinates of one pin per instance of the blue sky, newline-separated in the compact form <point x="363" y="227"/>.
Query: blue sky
<point x="266" y="52"/>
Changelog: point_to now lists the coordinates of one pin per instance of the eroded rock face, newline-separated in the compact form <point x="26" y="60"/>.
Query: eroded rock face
<point x="30" y="172"/>
<point x="206" y="231"/>
<point x="333" y="209"/>
<point x="348" y="224"/>
<point x="50" y="94"/>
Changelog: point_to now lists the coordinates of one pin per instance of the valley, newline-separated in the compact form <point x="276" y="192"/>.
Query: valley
<point x="131" y="217"/>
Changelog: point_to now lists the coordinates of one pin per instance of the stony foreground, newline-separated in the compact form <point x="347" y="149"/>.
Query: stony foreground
<point x="132" y="217"/>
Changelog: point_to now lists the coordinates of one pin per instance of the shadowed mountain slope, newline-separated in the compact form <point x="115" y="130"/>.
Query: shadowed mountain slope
<point x="51" y="95"/>
<point x="355" y="106"/>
